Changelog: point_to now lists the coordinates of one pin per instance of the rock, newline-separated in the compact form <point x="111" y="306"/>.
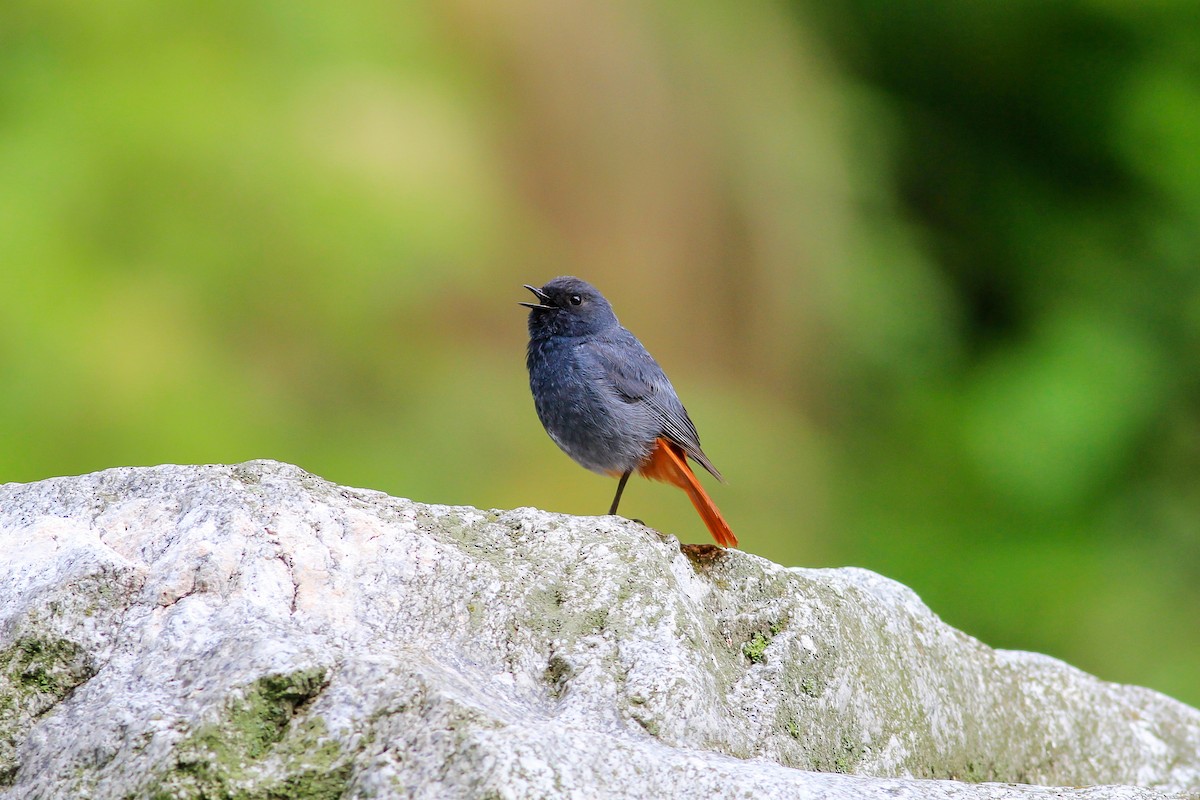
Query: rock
<point x="254" y="631"/>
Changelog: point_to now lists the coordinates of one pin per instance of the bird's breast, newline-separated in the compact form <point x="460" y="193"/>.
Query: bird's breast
<point x="583" y="413"/>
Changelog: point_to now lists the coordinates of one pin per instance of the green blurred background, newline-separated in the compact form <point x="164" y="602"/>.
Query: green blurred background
<point x="927" y="274"/>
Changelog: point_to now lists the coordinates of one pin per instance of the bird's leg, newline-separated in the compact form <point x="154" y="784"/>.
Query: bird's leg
<point x="620" y="488"/>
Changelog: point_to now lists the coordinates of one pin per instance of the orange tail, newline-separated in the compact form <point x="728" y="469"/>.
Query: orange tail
<point x="668" y="463"/>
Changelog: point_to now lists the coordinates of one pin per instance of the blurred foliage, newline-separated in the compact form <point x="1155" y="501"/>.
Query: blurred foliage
<point x="927" y="274"/>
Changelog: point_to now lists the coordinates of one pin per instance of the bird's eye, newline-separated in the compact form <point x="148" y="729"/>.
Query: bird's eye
<point x="576" y="299"/>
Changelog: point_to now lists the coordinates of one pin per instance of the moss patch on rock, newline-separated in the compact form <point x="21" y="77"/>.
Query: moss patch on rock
<point x="43" y="666"/>
<point x="260" y="747"/>
<point x="36" y="673"/>
<point x="756" y="648"/>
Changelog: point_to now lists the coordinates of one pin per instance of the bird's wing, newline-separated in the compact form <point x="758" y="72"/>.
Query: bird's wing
<point x="636" y="377"/>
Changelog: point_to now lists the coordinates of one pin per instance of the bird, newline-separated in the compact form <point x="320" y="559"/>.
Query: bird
<point x="606" y="402"/>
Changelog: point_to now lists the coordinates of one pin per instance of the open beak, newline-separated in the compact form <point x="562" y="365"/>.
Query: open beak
<point x="541" y="296"/>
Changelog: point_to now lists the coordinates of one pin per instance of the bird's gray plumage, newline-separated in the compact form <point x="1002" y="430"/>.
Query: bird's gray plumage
<point x="600" y="395"/>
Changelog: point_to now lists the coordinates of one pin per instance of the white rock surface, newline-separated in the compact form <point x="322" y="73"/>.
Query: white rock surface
<point x="254" y="631"/>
